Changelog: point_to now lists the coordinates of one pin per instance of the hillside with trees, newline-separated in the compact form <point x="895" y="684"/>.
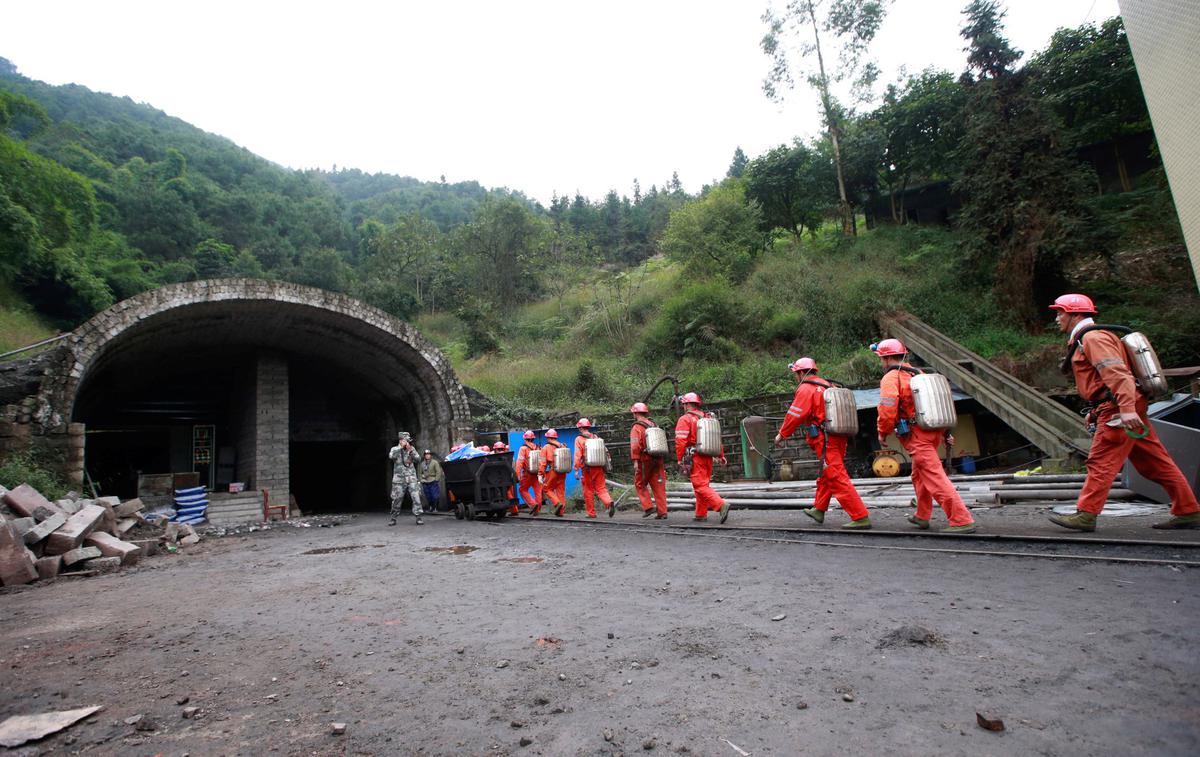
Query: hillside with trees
<point x="970" y="198"/>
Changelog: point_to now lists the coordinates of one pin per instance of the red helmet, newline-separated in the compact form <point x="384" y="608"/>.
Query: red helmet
<point x="583" y="423"/>
<point x="499" y="447"/>
<point x="639" y="407"/>
<point x="691" y="398"/>
<point x="889" y="348"/>
<point x="1074" y="303"/>
<point x="530" y="435"/>
<point x="485" y="448"/>
<point x="551" y="433"/>
<point x="804" y="364"/>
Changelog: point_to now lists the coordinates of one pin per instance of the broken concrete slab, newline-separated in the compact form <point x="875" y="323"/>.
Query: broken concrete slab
<point x="80" y="554"/>
<point x="48" y="567"/>
<point x="45" y="528"/>
<point x="68" y="506"/>
<point x="16" y="562"/>
<point x="103" y="564"/>
<point x="125" y="509"/>
<point x="72" y="532"/>
<point x="149" y="546"/>
<point x="190" y="539"/>
<point x="25" y="499"/>
<point x="21" y="729"/>
<point x="124" y="525"/>
<point x="109" y="504"/>
<point x="111" y="546"/>
<point x="42" y="512"/>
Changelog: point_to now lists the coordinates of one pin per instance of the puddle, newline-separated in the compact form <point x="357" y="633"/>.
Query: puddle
<point x="521" y="560"/>
<point x="461" y="549"/>
<point x="331" y="550"/>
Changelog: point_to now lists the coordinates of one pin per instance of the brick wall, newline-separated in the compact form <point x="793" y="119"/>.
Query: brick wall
<point x="62" y="444"/>
<point x="272" y="427"/>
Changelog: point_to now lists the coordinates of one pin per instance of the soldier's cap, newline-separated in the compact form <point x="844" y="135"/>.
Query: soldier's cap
<point x="405" y="435"/>
<point x="427" y="452"/>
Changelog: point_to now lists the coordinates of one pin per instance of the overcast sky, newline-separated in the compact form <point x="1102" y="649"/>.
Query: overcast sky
<point x="541" y="96"/>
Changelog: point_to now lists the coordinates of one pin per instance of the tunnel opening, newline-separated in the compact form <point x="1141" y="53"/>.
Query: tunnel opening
<point x="301" y="399"/>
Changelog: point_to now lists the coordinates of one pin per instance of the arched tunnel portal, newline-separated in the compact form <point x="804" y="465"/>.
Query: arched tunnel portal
<point x="274" y="385"/>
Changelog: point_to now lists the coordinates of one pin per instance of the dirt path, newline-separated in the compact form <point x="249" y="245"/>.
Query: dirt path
<point x="654" y="640"/>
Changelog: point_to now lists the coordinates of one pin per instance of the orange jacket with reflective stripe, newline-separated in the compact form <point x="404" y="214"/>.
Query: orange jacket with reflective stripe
<point x="808" y="406"/>
<point x="637" y="439"/>
<point x="895" y="399"/>
<point x="522" y="466"/>
<point x="580" y="446"/>
<point x="1101" y="363"/>
<point x="547" y="465"/>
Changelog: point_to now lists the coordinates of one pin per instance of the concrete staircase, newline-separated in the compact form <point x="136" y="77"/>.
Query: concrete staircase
<point x="235" y="509"/>
<point x="1055" y="430"/>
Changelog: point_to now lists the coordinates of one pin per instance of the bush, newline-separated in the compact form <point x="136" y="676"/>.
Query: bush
<point x="701" y="322"/>
<point x="33" y="467"/>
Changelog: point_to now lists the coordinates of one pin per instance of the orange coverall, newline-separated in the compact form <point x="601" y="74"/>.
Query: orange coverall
<point x="649" y="473"/>
<point x="554" y="486"/>
<point x="928" y="477"/>
<point x="808" y="408"/>
<point x="702" y="465"/>
<point x="592" y="477"/>
<point x="527" y="479"/>
<point x="1101" y="367"/>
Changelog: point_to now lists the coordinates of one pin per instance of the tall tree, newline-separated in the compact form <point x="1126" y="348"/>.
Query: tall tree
<point x="786" y="182"/>
<point x="1021" y="194"/>
<point x="718" y="233"/>
<point x="737" y="167"/>
<point x="851" y="25"/>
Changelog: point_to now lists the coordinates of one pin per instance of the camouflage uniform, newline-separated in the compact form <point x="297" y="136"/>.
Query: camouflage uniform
<point x="404" y="478"/>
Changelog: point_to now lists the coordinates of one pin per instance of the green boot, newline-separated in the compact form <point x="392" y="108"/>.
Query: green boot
<point x="862" y="524"/>
<point x="815" y="514"/>
<point x="1191" y="520"/>
<point x="1080" y="521"/>
<point x="966" y="528"/>
<point x="920" y="523"/>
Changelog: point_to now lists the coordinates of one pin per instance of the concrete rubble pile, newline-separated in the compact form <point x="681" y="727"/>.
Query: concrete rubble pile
<point x="40" y="539"/>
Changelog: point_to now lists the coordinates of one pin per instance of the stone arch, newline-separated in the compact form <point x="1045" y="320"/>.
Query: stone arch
<point x="348" y="350"/>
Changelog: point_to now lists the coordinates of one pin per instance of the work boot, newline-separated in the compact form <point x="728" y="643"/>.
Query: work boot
<point x="966" y="528"/>
<point x="701" y="518"/>
<point x="591" y="515"/>
<point x="862" y="524"/>
<point x="560" y="511"/>
<point x="392" y="522"/>
<point x="647" y="512"/>
<point x="815" y="514"/>
<point x="420" y="522"/>
<point x="612" y="509"/>
<point x="533" y="512"/>
<point x="1191" y="520"/>
<point x="920" y="523"/>
<point x="1080" y="521"/>
<point x="661" y="517"/>
<point x="724" y="512"/>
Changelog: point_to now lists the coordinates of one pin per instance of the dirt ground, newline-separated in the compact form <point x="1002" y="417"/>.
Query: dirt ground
<point x="572" y="639"/>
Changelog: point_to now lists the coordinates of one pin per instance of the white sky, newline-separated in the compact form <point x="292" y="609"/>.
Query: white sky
<point x="535" y="95"/>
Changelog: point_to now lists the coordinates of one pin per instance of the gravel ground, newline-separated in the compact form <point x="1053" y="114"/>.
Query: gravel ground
<point x="577" y="640"/>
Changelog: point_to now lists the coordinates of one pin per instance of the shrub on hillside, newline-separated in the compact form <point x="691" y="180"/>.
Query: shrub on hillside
<point x="703" y="321"/>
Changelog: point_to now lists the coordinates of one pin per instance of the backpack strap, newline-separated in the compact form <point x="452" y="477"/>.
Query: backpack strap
<point x="644" y="424"/>
<point x="824" y="384"/>
<point x="1078" y="340"/>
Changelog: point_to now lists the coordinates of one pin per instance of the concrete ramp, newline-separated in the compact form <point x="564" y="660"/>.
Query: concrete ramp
<point x="1055" y="430"/>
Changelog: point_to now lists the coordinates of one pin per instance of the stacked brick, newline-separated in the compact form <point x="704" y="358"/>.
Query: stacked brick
<point x="40" y="539"/>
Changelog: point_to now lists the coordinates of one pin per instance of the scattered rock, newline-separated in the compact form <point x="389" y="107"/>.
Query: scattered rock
<point x="649" y="744"/>
<point x="913" y="636"/>
<point x="989" y="724"/>
<point x="541" y="701"/>
<point x="847" y="697"/>
<point x="337" y="729"/>
<point x="781" y="616"/>
<point x="608" y="735"/>
<point x="525" y="741"/>
<point x="502" y="664"/>
<point x="183" y="700"/>
<point x="190" y="712"/>
<point x="517" y="724"/>
<point x="562" y="676"/>
<point x="610" y="635"/>
<point x="801" y="705"/>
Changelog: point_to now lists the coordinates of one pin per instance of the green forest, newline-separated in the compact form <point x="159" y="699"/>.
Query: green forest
<point x="1047" y="172"/>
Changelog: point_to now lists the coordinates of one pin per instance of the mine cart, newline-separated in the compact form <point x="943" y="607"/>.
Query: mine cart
<point x="481" y="486"/>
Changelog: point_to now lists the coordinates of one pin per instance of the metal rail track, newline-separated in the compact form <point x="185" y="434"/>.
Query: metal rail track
<point x="1052" y="427"/>
<point x="871" y="540"/>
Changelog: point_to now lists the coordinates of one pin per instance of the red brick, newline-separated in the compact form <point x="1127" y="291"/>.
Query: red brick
<point x="79" y="555"/>
<point x="77" y="526"/>
<point x="25" y="499"/>
<point x="16" y="562"/>
<point x="102" y="564"/>
<point x="45" y="528"/>
<point x="125" y="509"/>
<point x="48" y="567"/>
<point x="111" y="546"/>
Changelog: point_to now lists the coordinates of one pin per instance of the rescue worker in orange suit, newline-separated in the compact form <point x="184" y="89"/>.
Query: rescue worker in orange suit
<point x="591" y="476"/>
<point x="554" y="484"/>
<point x="897" y="412"/>
<point x="500" y="446"/>
<point x="1105" y="380"/>
<point x="698" y="467"/>
<point x="528" y="485"/>
<point x="649" y="473"/>
<point x="807" y="412"/>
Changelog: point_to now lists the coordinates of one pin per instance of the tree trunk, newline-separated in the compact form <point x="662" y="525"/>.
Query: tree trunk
<point x="1122" y="171"/>
<point x="848" y="225"/>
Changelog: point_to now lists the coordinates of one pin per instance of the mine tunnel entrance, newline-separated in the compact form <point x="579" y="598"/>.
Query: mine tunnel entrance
<point x="205" y="416"/>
